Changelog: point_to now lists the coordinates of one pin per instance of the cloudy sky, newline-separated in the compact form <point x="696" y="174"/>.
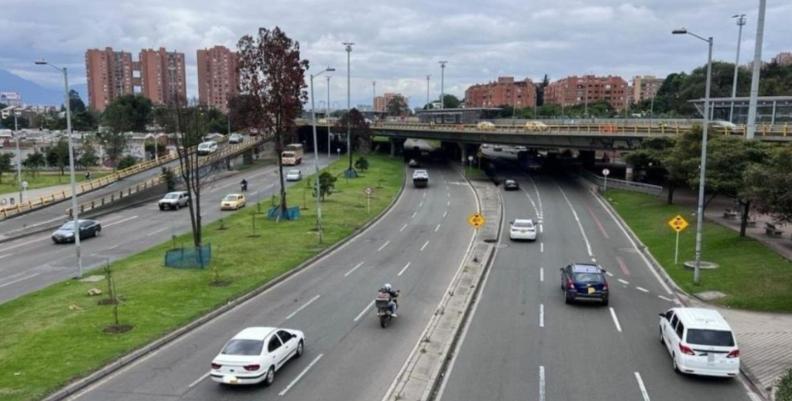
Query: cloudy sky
<point x="398" y="43"/>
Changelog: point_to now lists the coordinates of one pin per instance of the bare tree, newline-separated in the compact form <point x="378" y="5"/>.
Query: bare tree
<point x="272" y="73"/>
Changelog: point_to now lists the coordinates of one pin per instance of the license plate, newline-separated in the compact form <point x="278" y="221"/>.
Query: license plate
<point x="591" y="290"/>
<point x="710" y="358"/>
<point x="230" y="379"/>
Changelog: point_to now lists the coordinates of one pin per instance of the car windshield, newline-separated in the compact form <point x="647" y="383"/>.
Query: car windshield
<point x="586" y="278"/>
<point x="230" y="198"/>
<point x="67" y="226"/>
<point x="522" y="224"/>
<point x="288" y="154"/>
<point x="243" y="347"/>
<point x="294" y="172"/>
<point x="720" y="338"/>
<point x="172" y="195"/>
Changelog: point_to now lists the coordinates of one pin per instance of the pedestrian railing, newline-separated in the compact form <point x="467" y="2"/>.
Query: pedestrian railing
<point x="634" y="186"/>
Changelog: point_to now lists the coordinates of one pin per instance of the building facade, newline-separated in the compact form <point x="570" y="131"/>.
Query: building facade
<point x="575" y="90"/>
<point x="11" y="99"/>
<point x="110" y="75"/>
<point x="218" y="77"/>
<point x="162" y="76"/>
<point x="645" y="87"/>
<point x="783" y="58"/>
<point x="381" y="102"/>
<point x="503" y="92"/>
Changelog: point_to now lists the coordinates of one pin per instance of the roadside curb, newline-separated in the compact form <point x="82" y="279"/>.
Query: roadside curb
<point x="80" y="384"/>
<point x="681" y="294"/>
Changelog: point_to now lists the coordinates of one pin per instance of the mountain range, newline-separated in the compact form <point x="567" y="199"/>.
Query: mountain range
<point x="35" y="94"/>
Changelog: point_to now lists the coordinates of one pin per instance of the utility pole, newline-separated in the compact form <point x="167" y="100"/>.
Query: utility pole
<point x="757" y="67"/>
<point x="348" y="46"/>
<point x="740" y="23"/>
<point x="373" y="93"/>
<point x="442" y="83"/>
<point x="428" y="77"/>
<point x="327" y="118"/>
<point x="18" y="154"/>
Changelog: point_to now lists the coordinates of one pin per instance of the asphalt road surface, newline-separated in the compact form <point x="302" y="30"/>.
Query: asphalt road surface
<point x="418" y="246"/>
<point x="33" y="262"/>
<point x="523" y="341"/>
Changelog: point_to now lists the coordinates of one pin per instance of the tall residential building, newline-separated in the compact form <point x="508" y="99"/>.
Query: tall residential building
<point x="162" y="76"/>
<point x="783" y="58"/>
<point x="218" y="77"/>
<point x="645" y="87"/>
<point x="576" y="90"/>
<point x="11" y="99"/>
<point x="109" y="76"/>
<point x="381" y="102"/>
<point x="504" y="92"/>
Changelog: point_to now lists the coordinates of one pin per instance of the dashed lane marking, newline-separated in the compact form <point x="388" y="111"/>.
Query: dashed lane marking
<point x="296" y="379"/>
<point x="303" y="306"/>
<point x="353" y="269"/>
<point x="424" y="245"/>
<point x="403" y="269"/>
<point x="615" y="319"/>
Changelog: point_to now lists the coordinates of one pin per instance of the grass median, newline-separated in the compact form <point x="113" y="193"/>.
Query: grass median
<point x="52" y="336"/>
<point x="752" y="276"/>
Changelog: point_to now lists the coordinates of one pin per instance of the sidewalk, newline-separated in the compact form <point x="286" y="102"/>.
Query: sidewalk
<point x="765" y="339"/>
<point x="32" y="194"/>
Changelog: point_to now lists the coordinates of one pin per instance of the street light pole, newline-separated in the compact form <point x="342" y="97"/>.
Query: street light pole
<point x="428" y="77"/>
<point x="740" y="23"/>
<point x="703" y="167"/>
<point x="327" y="118"/>
<point x="316" y="155"/>
<point x="75" y="211"/>
<point x="18" y="156"/>
<point x="349" y="108"/>
<point x="442" y="83"/>
<point x="757" y="68"/>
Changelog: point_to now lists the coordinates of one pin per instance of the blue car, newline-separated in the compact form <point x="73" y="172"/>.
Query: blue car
<point x="584" y="281"/>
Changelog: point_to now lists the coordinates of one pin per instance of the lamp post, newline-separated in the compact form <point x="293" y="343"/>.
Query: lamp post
<point x="75" y="212"/>
<point x="703" y="167"/>
<point x="18" y="155"/>
<point x="757" y="68"/>
<point x="740" y="23"/>
<point x="428" y="77"/>
<point x="348" y="47"/>
<point x="442" y="83"/>
<point x="327" y="117"/>
<point x="316" y="154"/>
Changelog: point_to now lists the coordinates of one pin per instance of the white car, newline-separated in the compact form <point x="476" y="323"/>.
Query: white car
<point x="294" y="175"/>
<point x="522" y="229"/>
<point x="700" y="342"/>
<point x="174" y="200"/>
<point x="255" y="354"/>
<point x="208" y="147"/>
<point x="235" y="138"/>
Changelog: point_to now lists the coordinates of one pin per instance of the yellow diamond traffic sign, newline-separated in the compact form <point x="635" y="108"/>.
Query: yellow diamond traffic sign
<point x="678" y="223"/>
<point x="476" y="220"/>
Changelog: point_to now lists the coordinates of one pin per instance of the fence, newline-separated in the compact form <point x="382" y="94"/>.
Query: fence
<point x="189" y="257"/>
<point x="650" y="189"/>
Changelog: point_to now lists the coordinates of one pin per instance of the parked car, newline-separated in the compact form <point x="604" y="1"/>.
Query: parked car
<point x="700" y="342"/>
<point x="208" y="147"/>
<point x="485" y="126"/>
<point x="88" y="228"/>
<point x="584" y="281"/>
<point x="511" y="185"/>
<point x="294" y="175"/>
<point x="174" y="200"/>
<point x="233" y="202"/>
<point x="254" y="355"/>
<point x="236" y="138"/>
<point x="522" y="229"/>
<point x="535" y="126"/>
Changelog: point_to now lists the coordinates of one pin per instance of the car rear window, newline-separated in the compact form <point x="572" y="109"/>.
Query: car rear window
<point x="719" y="338"/>
<point x="243" y="347"/>
<point x="522" y="224"/>
<point x="230" y="197"/>
<point x="594" y="278"/>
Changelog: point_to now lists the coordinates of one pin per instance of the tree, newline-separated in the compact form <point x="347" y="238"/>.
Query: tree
<point x="58" y="155"/>
<point x="326" y="185"/>
<point x="359" y="129"/>
<point x="450" y="101"/>
<point x="240" y="110"/>
<point x="114" y="144"/>
<point x="88" y="157"/>
<point x="362" y="164"/>
<point x="271" y="71"/>
<point x="34" y="161"/>
<point x="540" y="89"/>
<point x="126" y="162"/>
<point x="397" y="106"/>
<point x="5" y="164"/>
<point x="681" y="161"/>
<point x="650" y="156"/>
<point x="128" y="113"/>
<point x="769" y="184"/>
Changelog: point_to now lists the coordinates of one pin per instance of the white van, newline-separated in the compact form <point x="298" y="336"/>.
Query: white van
<point x="700" y="342"/>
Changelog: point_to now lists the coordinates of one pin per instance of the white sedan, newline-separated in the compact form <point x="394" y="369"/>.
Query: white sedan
<point x="294" y="175"/>
<point x="522" y="229"/>
<point x="255" y="354"/>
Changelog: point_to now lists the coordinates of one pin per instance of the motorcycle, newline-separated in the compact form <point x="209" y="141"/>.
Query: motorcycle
<point x="382" y="303"/>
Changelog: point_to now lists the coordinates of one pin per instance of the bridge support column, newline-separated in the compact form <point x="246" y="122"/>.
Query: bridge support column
<point x="587" y="157"/>
<point x="629" y="172"/>
<point x="463" y="152"/>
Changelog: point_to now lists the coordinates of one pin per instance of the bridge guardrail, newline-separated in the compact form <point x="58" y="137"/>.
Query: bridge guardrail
<point x="634" y="186"/>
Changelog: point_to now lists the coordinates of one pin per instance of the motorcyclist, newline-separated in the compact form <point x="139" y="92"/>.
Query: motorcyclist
<point x="393" y="303"/>
<point x="244" y="185"/>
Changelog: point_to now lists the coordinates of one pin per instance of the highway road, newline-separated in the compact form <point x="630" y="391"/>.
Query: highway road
<point x="418" y="246"/>
<point x="34" y="262"/>
<point x="524" y="342"/>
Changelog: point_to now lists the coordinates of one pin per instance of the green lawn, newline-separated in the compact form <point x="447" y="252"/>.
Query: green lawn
<point x="54" y="335"/>
<point x="752" y="275"/>
<point x="42" y="179"/>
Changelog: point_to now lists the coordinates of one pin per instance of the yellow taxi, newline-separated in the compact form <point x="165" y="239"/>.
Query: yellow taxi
<point x="233" y="202"/>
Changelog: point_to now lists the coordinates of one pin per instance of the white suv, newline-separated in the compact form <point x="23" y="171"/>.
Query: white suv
<point x="174" y="200"/>
<point x="700" y="342"/>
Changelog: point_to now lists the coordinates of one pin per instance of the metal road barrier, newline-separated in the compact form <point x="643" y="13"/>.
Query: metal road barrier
<point x="633" y="186"/>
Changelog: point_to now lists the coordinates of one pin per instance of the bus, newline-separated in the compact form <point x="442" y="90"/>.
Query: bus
<point x="292" y="155"/>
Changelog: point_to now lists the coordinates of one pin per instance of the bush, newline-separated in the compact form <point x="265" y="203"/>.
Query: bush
<point x="362" y="164"/>
<point x="170" y="179"/>
<point x="126" y="161"/>
<point x="784" y="390"/>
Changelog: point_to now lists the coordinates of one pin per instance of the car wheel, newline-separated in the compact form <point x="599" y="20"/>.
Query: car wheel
<point x="662" y="341"/>
<point x="604" y="301"/>
<point x="674" y="364"/>
<point x="567" y="299"/>
<point x="162" y="207"/>
<point x="300" y="349"/>
<point x="270" y="377"/>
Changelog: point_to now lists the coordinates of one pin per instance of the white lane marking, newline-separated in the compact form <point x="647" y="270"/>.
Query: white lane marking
<point x="448" y="203"/>
<point x="437" y="227"/>
<point x="420" y="204"/>
<point x="24" y="243"/>
<point x="665" y="298"/>
<point x="635" y="246"/>
<point x="305" y="305"/>
<point x="609" y="274"/>
<point x="424" y="195"/>
<point x="538" y="196"/>
<point x="641" y="289"/>
<point x="541" y="274"/>
<point x="541" y="247"/>
<point x="615" y="319"/>
<point x="541" y="383"/>
<point x="424" y="245"/>
<point x="594" y="260"/>
<point x="120" y="221"/>
<point x="541" y="315"/>
<point x="403" y="227"/>
<point x="445" y="213"/>
<point x="403" y="269"/>
<point x="383" y="245"/>
<point x="644" y="393"/>
<point x="156" y="232"/>
<point x="623" y="281"/>
<point x="300" y="376"/>
<point x="533" y="204"/>
<point x="413" y="215"/>
<point x="353" y="269"/>
<point x="19" y="279"/>
<point x="363" y="311"/>
<point x="200" y="379"/>
<point x="6" y="255"/>
<point x="577" y="219"/>
<point x="541" y="229"/>
<point x="448" y="194"/>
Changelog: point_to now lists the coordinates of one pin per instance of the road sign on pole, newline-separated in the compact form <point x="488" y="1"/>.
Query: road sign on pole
<point x="678" y="224"/>
<point x="368" y="191"/>
<point x="605" y="173"/>
<point x="476" y="220"/>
